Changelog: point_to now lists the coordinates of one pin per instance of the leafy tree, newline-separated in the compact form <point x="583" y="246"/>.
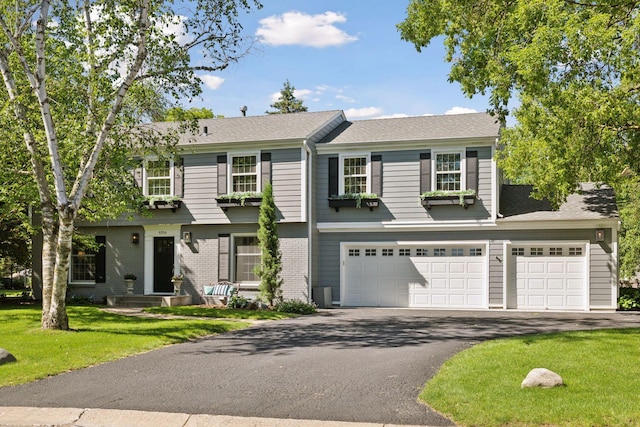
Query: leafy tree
<point x="271" y="260"/>
<point x="287" y="103"/>
<point x="176" y="114"/>
<point x="574" y="68"/>
<point x="78" y="77"/>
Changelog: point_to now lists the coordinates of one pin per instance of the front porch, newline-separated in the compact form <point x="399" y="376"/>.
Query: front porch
<point x="148" y="300"/>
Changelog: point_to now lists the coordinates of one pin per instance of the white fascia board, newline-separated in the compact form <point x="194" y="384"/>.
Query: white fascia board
<point x="379" y="146"/>
<point x="397" y="226"/>
<point x="217" y="147"/>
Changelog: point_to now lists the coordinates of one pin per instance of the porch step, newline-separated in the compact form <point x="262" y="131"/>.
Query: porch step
<point x="148" y="300"/>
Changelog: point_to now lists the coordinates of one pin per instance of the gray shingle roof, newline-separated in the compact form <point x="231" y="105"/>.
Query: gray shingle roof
<point x="456" y="126"/>
<point x="274" y="127"/>
<point x="590" y="202"/>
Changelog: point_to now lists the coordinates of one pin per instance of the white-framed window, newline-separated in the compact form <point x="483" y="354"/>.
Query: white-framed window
<point x="158" y="177"/>
<point x="422" y="252"/>
<point x="244" y="172"/>
<point x="449" y="167"/>
<point x="83" y="266"/>
<point x="555" y="251"/>
<point x="457" y="252"/>
<point x="247" y="257"/>
<point x="355" y="174"/>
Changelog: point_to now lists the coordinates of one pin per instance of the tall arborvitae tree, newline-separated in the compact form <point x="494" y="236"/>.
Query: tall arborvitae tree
<point x="271" y="262"/>
<point x="287" y="103"/>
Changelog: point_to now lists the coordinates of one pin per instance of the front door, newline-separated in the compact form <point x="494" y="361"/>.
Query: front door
<point x="163" y="253"/>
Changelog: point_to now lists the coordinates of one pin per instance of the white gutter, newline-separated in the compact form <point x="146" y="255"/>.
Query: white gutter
<point x="308" y="199"/>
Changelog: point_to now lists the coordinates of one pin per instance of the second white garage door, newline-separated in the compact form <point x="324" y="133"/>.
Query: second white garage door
<point x="547" y="277"/>
<point x="433" y="276"/>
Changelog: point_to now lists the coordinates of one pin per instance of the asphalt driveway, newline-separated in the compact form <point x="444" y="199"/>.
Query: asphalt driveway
<point x="364" y="365"/>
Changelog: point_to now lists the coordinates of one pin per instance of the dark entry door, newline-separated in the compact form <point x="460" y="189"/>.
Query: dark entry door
<point x="162" y="264"/>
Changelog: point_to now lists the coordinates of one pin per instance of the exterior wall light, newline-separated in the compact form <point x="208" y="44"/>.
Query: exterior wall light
<point x="135" y="238"/>
<point x="186" y="236"/>
<point x="599" y="235"/>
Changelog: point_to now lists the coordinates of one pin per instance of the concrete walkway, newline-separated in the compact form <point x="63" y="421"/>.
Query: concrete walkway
<point x="66" y="417"/>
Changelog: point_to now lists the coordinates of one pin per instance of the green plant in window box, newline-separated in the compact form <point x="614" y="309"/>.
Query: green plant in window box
<point x="242" y="197"/>
<point x="358" y="197"/>
<point x="153" y="201"/>
<point x="439" y="193"/>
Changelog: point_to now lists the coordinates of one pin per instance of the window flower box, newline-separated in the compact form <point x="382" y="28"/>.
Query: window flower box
<point x="238" y="200"/>
<point x="162" y="203"/>
<point x="439" y="198"/>
<point x="354" y="201"/>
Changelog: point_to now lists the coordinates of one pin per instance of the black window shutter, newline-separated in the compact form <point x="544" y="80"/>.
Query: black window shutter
<point x="425" y="172"/>
<point x="376" y="174"/>
<point x="137" y="174"/>
<point x="222" y="174"/>
<point x="472" y="170"/>
<point x="101" y="259"/>
<point x="178" y="180"/>
<point x="224" y="264"/>
<point x="265" y="168"/>
<point x="333" y="176"/>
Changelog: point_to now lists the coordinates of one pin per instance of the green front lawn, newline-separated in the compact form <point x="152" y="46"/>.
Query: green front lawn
<point x="98" y="337"/>
<point x="601" y="370"/>
<point x="220" y="313"/>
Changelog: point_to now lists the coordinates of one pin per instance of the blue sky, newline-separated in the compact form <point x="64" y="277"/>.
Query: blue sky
<point x="344" y="55"/>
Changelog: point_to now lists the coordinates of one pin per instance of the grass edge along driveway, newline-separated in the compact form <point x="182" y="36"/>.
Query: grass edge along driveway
<point x="98" y="337"/>
<point x="481" y="385"/>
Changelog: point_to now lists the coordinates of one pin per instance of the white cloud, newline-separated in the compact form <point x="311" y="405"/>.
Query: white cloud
<point x="460" y="110"/>
<point x="211" y="81"/>
<point x="297" y="28"/>
<point x="345" y="99"/>
<point x="358" y="113"/>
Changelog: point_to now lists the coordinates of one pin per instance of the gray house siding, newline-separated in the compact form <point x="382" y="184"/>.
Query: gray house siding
<point x="601" y="260"/>
<point x="400" y="196"/>
<point x="121" y="257"/>
<point x="201" y="183"/>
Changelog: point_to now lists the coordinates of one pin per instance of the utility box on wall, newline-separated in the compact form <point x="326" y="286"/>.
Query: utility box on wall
<point x="322" y="296"/>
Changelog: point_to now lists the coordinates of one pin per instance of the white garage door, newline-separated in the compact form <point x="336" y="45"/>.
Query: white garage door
<point x="548" y="277"/>
<point x="443" y="276"/>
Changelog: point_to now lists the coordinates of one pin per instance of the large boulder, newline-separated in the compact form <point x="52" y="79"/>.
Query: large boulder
<point x="6" y="357"/>
<point x="542" y="377"/>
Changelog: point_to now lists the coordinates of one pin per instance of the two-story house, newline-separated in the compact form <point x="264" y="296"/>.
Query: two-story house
<point x="427" y="221"/>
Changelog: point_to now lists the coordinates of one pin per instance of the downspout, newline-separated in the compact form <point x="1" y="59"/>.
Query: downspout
<point x="309" y="204"/>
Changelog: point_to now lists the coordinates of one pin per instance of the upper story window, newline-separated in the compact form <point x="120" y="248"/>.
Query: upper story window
<point x="158" y="176"/>
<point x="355" y="175"/>
<point x="244" y="173"/>
<point x="448" y="172"/>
